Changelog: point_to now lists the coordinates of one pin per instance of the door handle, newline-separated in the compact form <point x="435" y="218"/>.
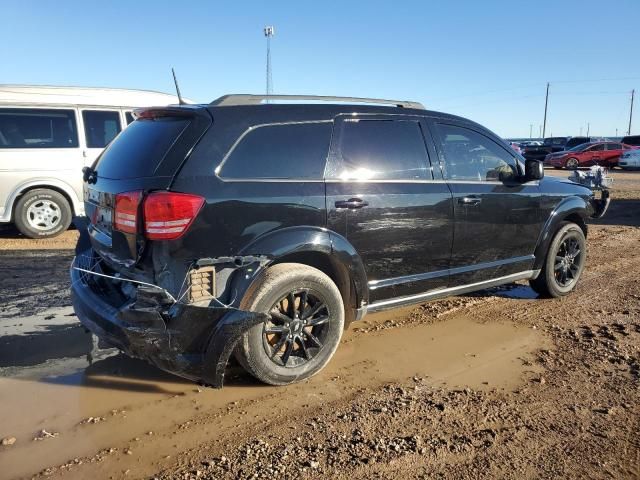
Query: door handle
<point x="469" y="200"/>
<point x="352" y="203"/>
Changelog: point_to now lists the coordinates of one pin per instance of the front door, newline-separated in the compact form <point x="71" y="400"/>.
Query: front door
<point x="100" y="127"/>
<point x="381" y="196"/>
<point x="497" y="218"/>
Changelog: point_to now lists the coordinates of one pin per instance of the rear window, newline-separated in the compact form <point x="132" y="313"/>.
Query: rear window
<point x="140" y="148"/>
<point x="289" y="151"/>
<point x="555" y="141"/>
<point x="37" y="128"/>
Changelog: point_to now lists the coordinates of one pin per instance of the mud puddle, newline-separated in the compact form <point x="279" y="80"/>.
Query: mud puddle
<point x="111" y="404"/>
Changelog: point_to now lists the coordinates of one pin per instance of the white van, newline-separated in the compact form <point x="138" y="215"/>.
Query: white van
<point x="47" y="135"/>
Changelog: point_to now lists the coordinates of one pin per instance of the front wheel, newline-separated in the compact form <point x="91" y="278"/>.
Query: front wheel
<point x="305" y="326"/>
<point x="572" y="164"/>
<point x="564" y="263"/>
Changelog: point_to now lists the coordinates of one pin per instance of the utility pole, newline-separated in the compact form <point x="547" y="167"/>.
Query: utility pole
<point x="588" y="127"/>
<point x="530" y="130"/>
<point x="269" y="31"/>
<point x="616" y="132"/>
<point x="539" y="131"/>
<point x="546" y="103"/>
<point x="631" y="112"/>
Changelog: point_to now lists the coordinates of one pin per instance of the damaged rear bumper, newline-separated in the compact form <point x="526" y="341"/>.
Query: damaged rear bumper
<point x="191" y="341"/>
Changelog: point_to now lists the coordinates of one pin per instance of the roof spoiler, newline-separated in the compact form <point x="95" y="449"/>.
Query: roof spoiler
<point x="247" y="99"/>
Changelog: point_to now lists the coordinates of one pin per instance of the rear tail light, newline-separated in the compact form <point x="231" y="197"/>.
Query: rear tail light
<point x="126" y="212"/>
<point x="167" y="215"/>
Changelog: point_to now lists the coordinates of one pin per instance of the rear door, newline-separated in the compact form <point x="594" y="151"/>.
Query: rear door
<point x="381" y="196"/>
<point x="100" y="127"/>
<point x="497" y="219"/>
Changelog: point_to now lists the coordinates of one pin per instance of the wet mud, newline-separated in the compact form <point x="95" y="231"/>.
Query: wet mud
<point x="498" y="383"/>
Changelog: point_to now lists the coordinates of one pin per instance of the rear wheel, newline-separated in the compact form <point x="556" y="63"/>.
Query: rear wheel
<point x="305" y="326"/>
<point x="564" y="263"/>
<point x="42" y="213"/>
<point x="572" y="164"/>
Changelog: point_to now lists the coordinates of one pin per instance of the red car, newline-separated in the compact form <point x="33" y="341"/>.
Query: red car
<point x="605" y="154"/>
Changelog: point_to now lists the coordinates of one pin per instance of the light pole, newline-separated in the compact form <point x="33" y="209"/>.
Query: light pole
<point x="546" y="103"/>
<point x="269" y="31"/>
<point x="530" y="130"/>
<point x="633" y="92"/>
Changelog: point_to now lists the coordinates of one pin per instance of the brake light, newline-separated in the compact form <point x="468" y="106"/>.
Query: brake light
<point x="126" y="212"/>
<point x="167" y="215"/>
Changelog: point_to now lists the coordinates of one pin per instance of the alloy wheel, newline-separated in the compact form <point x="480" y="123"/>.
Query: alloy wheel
<point x="572" y="164"/>
<point x="567" y="262"/>
<point x="297" y="329"/>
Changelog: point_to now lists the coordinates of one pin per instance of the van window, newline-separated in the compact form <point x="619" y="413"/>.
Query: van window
<point x="128" y="116"/>
<point x="37" y="128"/>
<point x="291" y="151"/>
<point x="100" y="127"/>
<point x="381" y="150"/>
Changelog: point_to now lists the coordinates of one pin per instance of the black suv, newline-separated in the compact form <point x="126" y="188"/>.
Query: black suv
<point x="263" y="229"/>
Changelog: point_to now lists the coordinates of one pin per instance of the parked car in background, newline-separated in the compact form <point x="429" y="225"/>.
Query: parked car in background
<point x="605" y="154"/>
<point x="550" y="145"/>
<point x="47" y="135"/>
<point x="230" y="228"/>
<point x="631" y="140"/>
<point x="630" y="159"/>
<point x="530" y="143"/>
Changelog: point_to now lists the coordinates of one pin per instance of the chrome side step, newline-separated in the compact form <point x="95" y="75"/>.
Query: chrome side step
<point x="447" y="292"/>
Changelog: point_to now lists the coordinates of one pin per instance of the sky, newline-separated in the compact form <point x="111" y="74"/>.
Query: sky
<point x="485" y="60"/>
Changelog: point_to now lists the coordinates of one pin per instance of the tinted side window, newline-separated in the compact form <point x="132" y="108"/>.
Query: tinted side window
<point x="100" y="127"/>
<point x="37" y="128"/>
<point x="597" y="148"/>
<point x="291" y="151"/>
<point x="381" y="150"/>
<point x="468" y="155"/>
<point x="614" y="146"/>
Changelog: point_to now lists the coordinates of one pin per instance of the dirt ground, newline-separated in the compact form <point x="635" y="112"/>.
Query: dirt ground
<point x="499" y="384"/>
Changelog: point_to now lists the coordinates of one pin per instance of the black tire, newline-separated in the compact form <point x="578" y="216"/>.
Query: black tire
<point x="563" y="266"/>
<point x="572" y="163"/>
<point x="261" y="351"/>
<point x="42" y="213"/>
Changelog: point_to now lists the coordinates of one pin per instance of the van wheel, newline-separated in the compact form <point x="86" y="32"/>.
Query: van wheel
<point x="564" y="263"/>
<point x="305" y="326"/>
<point x="42" y="213"/>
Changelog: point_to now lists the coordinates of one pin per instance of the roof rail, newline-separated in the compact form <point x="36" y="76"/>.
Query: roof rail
<point x="247" y="99"/>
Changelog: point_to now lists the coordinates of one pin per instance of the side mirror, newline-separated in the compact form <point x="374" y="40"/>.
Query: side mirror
<point x="533" y="170"/>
